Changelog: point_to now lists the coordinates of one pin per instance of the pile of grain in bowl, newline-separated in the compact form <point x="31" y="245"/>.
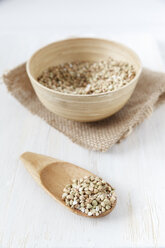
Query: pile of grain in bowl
<point x="88" y="78"/>
<point x="90" y="195"/>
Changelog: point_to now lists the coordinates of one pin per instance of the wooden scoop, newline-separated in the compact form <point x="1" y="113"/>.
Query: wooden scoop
<point x="53" y="175"/>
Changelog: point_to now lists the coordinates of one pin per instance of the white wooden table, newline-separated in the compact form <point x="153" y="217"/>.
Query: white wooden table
<point x="31" y="218"/>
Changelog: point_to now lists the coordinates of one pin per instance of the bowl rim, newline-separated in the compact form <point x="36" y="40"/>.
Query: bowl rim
<point x="83" y="95"/>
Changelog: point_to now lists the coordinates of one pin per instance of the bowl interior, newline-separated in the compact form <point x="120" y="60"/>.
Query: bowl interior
<point x="80" y="49"/>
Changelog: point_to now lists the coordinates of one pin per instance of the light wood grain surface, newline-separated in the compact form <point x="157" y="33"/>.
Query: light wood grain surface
<point x="31" y="218"/>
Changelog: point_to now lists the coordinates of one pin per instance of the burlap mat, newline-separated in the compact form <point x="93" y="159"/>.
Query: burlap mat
<point x="100" y="135"/>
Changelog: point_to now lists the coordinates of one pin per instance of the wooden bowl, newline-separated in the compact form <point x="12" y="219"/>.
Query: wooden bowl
<point x="82" y="107"/>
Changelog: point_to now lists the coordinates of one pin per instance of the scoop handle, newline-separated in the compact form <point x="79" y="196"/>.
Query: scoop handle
<point x="36" y="162"/>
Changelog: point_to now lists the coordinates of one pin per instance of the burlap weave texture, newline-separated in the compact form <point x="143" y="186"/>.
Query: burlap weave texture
<point x="100" y="135"/>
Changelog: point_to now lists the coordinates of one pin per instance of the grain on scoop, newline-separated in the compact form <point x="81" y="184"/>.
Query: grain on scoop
<point x="91" y="195"/>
